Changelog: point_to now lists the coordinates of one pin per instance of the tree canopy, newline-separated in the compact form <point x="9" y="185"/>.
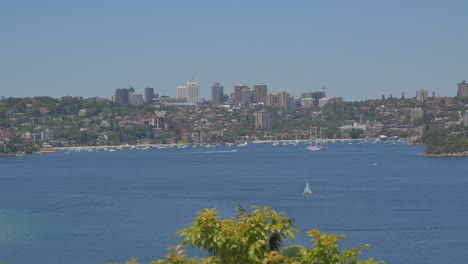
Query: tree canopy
<point x="256" y="237"/>
<point x="442" y="140"/>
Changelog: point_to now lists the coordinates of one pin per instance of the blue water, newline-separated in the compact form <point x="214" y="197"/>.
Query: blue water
<point x="97" y="207"/>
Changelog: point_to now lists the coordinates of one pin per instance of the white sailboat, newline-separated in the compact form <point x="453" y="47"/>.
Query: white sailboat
<point x="307" y="190"/>
<point x="312" y="146"/>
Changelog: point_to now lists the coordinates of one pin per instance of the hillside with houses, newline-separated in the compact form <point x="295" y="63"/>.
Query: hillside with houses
<point x="27" y="125"/>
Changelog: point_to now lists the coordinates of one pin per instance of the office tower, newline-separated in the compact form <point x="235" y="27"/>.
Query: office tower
<point x="421" y="96"/>
<point x="283" y="99"/>
<point x="238" y="92"/>
<point x="462" y="89"/>
<point x="259" y="93"/>
<point x="136" y="99"/>
<point x="181" y="91"/>
<point x="225" y="98"/>
<point x="192" y="89"/>
<point x="246" y="97"/>
<point x="317" y="96"/>
<point x="217" y="94"/>
<point x="307" y="102"/>
<point x="149" y="94"/>
<point x="121" y="95"/>
<point x="272" y="100"/>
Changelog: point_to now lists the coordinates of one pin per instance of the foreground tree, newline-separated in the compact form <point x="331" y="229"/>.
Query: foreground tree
<point x="326" y="250"/>
<point x="244" y="239"/>
<point x="256" y="238"/>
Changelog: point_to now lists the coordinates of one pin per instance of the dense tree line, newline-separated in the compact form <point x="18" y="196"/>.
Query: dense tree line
<point x="445" y="140"/>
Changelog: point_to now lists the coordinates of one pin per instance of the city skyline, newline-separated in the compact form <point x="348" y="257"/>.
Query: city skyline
<point x="360" y="50"/>
<point x="260" y="94"/>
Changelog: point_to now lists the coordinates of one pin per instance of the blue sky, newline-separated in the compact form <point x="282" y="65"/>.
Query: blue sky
<point x="357" y="49"/>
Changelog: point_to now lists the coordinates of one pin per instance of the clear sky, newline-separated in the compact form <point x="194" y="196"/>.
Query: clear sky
<point x="357" y="49"/>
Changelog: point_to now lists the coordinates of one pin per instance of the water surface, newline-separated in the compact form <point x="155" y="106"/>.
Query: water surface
<point x="96" y="207"/>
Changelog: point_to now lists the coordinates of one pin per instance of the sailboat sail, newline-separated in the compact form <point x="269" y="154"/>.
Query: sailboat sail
<point x="307" y="190"/>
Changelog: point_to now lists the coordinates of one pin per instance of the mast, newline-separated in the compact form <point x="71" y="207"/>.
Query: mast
<point x="321" y="137"/>
<point x="316" y="137"/>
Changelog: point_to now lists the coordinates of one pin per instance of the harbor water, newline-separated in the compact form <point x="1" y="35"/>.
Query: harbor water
<point x="106" y="206"/>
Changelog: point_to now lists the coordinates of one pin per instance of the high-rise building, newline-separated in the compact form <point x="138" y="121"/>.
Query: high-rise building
<point x="283" y="99"/>
<point x="121" y="96"/>
<point x="136" y="99"/>
<point x="462" y="89"/>
<point x="238" y="92"/>
<point x="262" y="119"/>
<point x="421" y="96"/>
<point x="317" y="96"/>
<point x="307" y="102"/>
<point x="246" y="97"/>
<point x="149" y="94"/>
<point x="323" y="101"/>
<point x="259" y="93"/>
<point x="181" y="91"/>
<point x="217" y="94"/>
<point x="192" y="89"/>
<point x="272" y="100"/>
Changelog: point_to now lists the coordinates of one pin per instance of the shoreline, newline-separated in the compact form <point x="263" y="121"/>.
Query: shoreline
<point x="202" y="144"/>
<point x="162" y="146"/>
<point x="445" y="155"/>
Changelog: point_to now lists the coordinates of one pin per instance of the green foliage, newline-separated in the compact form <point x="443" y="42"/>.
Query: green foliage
<point x="245" y="239"/>
<point x="292" y="250"/>
<point x="235" y="132"/>
<point x="441" y="140"/>
<point x="177" y="255"/>
<point x="326" y="250"/>
<point x="354" y="133"/>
